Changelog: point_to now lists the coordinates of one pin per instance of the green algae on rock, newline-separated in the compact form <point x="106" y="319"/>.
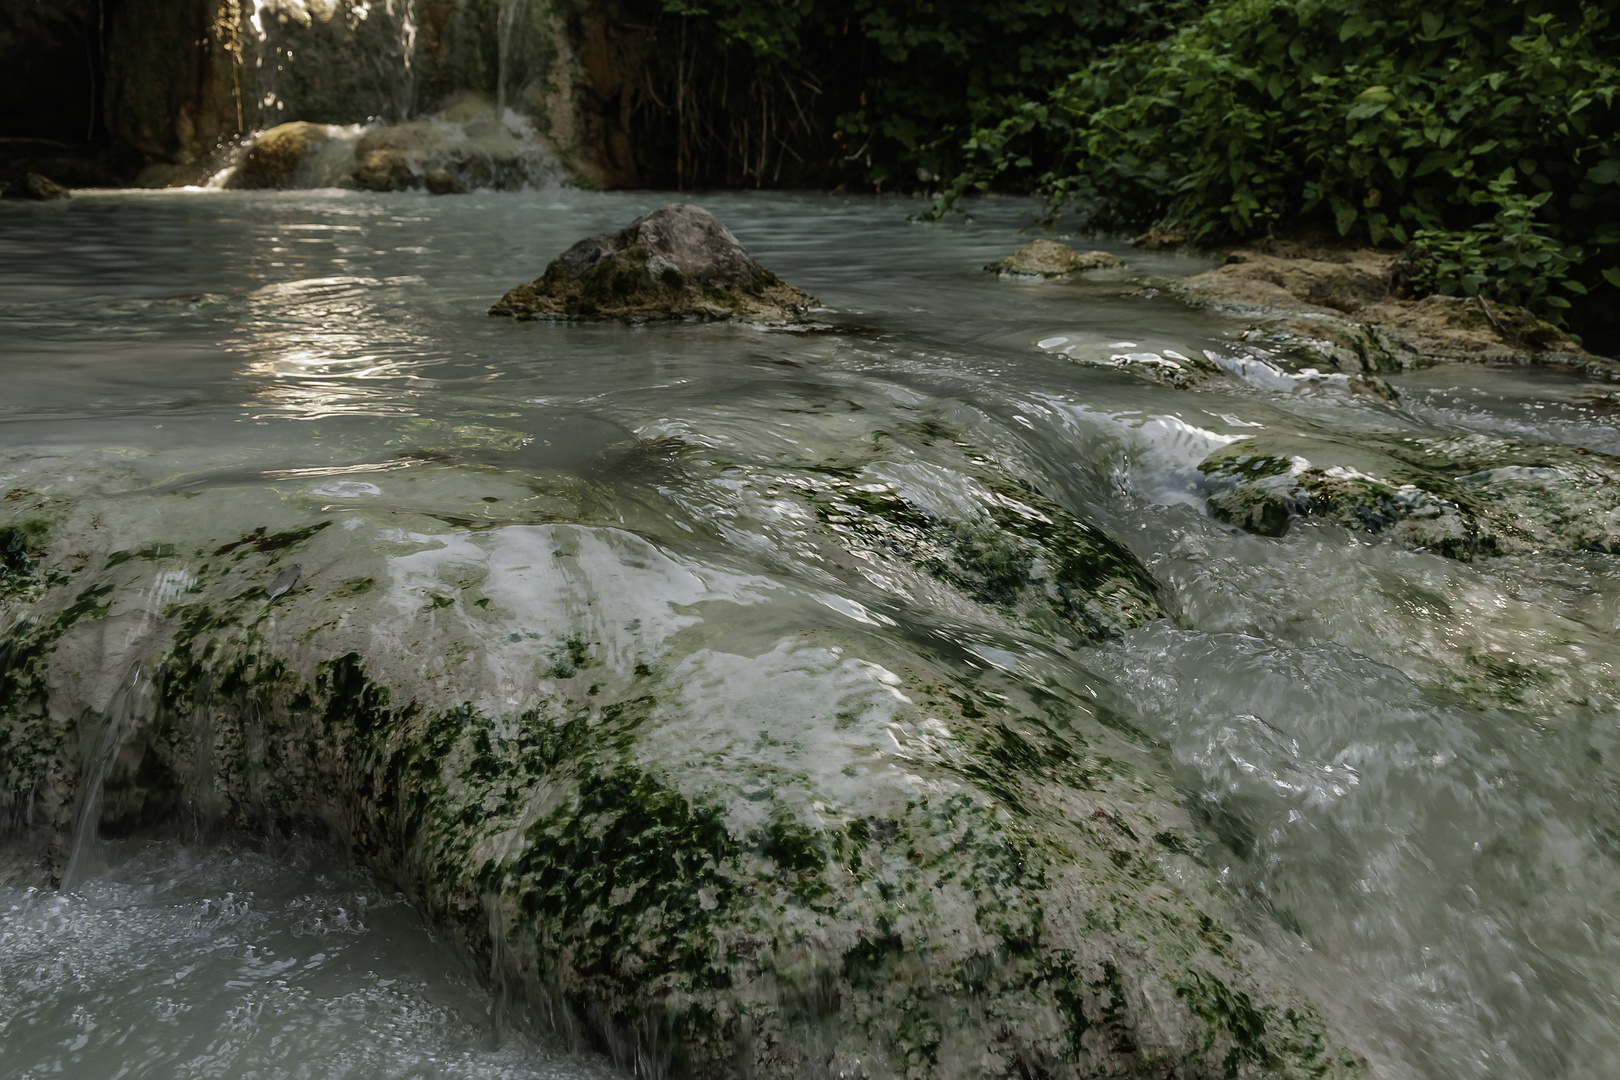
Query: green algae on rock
<point x="797" y="857"/>
<point x="1462" y="497"/>
<point x="678" y="262"/>
<point x="1048" y="258"/>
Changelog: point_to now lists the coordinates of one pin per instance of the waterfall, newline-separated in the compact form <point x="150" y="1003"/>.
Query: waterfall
<point x="129" y="710"/>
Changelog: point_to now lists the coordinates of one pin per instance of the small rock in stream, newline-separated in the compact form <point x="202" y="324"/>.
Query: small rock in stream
<point x="678" y="262"/>
<point x="35" y="186"/>
<point x="1048" y="258"/>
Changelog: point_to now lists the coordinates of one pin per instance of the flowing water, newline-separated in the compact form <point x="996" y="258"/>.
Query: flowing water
<point x="1405" y="764"/>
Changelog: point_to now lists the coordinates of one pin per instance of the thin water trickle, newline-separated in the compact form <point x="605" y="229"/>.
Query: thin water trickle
<point x="1404" y="764"/>
<point x="104" y="736"/>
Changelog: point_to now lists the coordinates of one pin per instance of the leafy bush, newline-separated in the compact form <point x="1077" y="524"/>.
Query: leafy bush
<point x="1507" y="258"/>
<point x="1376" y="120"/>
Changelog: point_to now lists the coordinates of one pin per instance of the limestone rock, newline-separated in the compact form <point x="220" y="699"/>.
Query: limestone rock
<point x="274" y="160"/>
<point x="1341" y="309"/>
<point x="912" y="876"/>
<point x="1047" y="258"/>
<point x="678" y="262"/>
<point x="35" y="186"/>
<point x="1462" y="497"/>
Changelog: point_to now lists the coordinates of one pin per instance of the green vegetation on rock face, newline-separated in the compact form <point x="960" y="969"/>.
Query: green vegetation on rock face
<point x="1463" y="497"/>
<point x="1483" y="131"/>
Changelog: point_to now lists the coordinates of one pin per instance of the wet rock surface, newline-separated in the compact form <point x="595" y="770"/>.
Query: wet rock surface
<point x="468" y="149"/>
<point x="275" y="158"/>
<point x="1342" y="307"/>
<point x="678" y="262"/>
<point x="1048" y="258"/>
<point x="911" y="876"/>
<point x="1464" y="497"/>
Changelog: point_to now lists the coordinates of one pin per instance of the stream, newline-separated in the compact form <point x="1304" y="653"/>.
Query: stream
<point x="1402" y="766"/>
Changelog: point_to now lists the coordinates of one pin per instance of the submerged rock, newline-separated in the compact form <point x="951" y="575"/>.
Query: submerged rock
<point x="1461" y="497"/>
<point x="275" y="158"/>
<point x="1047" y="258"/>
<point x="1342" y="309"/>
<point x="678" y="262"/>
<point x="738" y="855"/>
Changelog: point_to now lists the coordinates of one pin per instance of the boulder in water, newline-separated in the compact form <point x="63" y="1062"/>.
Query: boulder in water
<point x="444" y="182"/>
<point x="448" y="156"/>
<point x="397" y="158"/>
<point x="274" y="160"/>
<point x="36" y="186"/>
<point x="678" y="262"/>
<point x="1048" y="258"/>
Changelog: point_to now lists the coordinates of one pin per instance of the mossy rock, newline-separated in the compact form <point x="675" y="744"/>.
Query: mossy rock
<point x="1020" y="552"/>
<point x="678" y="262"/>
<point x="787" y="859"/>
<point x="1048" y="258"/>
<point x="1461" y="497"/>
<point x="274" y="159"/>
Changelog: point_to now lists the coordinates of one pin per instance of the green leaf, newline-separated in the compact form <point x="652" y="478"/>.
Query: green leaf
<point x="1432" y="23"/>
<point x="1612" y="276"/>
<point x="1606" y="171"/>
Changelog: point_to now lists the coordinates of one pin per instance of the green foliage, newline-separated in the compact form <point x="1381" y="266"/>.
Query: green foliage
<point x="1508" y="258"/>
<point x="875" y="91"/>
<point x="1371" y="119"/>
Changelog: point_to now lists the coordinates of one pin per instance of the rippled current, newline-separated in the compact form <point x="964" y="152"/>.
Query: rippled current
<point x="1433" y="846"/>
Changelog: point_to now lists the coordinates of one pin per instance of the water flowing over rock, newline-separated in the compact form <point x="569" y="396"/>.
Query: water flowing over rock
<point x="1048" y="258"/>
<point x="678" y="262"/>
<point x="277" y="157"/>
<point x="1462" y="497"/>
<point x="518" y="725"/>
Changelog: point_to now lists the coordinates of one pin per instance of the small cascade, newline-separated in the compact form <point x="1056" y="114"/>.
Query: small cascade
<point x="383" y="104"/>
<point x="129" y="709"/>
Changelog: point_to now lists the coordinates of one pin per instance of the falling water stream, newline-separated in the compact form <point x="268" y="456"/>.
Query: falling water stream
<point x="1406" y="764"/>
